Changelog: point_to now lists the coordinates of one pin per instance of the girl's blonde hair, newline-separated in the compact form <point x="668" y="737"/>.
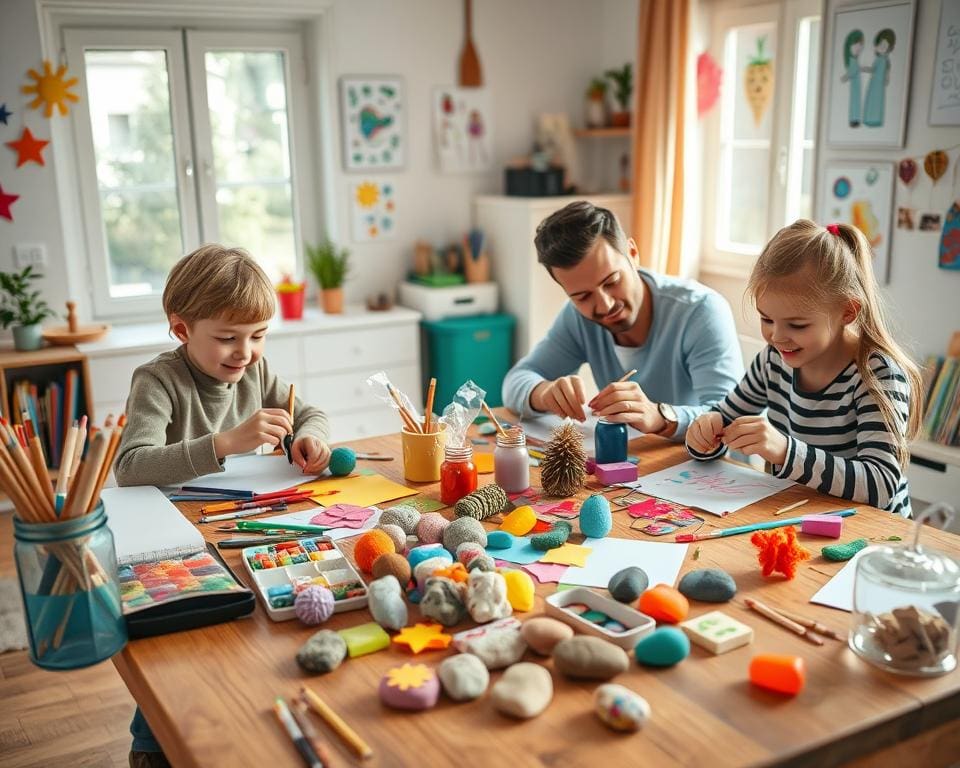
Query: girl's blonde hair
<point x="839" y="268"/>
<point x="218" y="282"/>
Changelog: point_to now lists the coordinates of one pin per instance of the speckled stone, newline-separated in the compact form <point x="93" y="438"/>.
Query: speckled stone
<point x="589" y="658"/>
<point x="498" y="648"/>
<point x="464" y="677"/>
<point x="430" y="528"/>
<point x="628" y="584"/>
<point x="406" y="517"/>
<point x="443" y="601"/>
<point x="708" y="585"/>
<point x="323" y="652"/>
<point x="556" y="537"/>
<point x="398" y="535"/>
<point x="596" y="519"/>
<point x="620" y="708"/>
<point x="464" y="530"/>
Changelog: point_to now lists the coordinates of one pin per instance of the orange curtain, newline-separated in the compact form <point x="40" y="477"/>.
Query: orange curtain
<point x="659" y="133"/>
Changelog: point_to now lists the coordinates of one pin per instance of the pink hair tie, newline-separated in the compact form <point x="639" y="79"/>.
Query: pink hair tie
<point x="834" y="229"/>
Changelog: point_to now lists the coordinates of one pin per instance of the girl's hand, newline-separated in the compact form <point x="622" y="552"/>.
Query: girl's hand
<point x="310" y="454"/>
<point x="704" y="434"/>
<point x="754" y="435"/>
<point x="268" y="425"/>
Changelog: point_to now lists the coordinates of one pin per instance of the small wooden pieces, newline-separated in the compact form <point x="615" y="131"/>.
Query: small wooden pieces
<point x="912" y="638"/>
<point x="422" y="637"/>
<point x="778" y="672"/>
<point x="72" y="332"/>
<point x="717" y="632"/>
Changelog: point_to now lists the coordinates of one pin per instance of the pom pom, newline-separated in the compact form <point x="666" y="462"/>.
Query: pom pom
<point x="392" y="564"/>
<point x="369" y="547"/>
<point x="779" y="551"/>
<point x="314" y="605"/>
<point x="482" y="503"/>
<point x="342" y="461"/>
<point x="562" y="469"/>
<point x="431" y="527"/>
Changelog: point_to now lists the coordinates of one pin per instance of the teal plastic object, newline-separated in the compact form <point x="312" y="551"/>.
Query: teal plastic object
<point x="460" y="348"/>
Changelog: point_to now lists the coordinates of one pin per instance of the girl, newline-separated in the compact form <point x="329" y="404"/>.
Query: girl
<point x="837" y="387"/>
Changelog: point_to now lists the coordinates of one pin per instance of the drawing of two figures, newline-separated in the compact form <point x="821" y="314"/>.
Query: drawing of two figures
<point x="869" y="109"/>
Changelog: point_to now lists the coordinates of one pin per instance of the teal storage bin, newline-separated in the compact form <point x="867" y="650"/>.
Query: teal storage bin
<point x="461" y="348"/>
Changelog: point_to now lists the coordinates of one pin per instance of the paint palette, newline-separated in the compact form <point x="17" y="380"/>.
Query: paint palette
<point x="594" y="614"/>
<point x="283" y="569"/>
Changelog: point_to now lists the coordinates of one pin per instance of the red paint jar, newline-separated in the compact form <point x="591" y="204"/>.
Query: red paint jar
<point x="458" y="474"/>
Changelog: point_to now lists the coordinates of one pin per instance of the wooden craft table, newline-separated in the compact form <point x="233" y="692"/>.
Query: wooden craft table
<point x="208" y="693"/>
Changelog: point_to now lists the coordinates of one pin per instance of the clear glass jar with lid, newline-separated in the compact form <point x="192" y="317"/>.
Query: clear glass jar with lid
<point x="907" y="606"/>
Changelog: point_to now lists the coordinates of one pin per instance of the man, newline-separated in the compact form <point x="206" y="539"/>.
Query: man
<point x="678" y="334"/>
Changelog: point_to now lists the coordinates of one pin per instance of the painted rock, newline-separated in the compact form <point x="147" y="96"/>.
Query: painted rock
<point x="392" y="564"/>
<point x="424" y="552"/>
<point x="406" y="517"/>
<point x="628" y="584"/>
<point x="498" y="648"/>
<point x="443" y="601"/>
<point x="464" y="529"/>
<point x="524" y="691"/>
<point x="482" y="563"/>
<point x="620" y="708"/>
<point x="386" y="603"/>
<point x="709" y="585"/>
<point x="556" y="537"/>
<point x="431" y="527"/>
<point x="464" y="677"/>
<point x="589" y="658"/>
<point x="487" y="597"/>
<point x="499" y="540"/>
<point x="467" y="551"/>
<point x="595" y="517"/>
<point x="520" y="589"/>
<point x="412" y="686"/>
<point x="663" y="647"/>
<point x="664" y="604"/>
<point x="323" y="652"/>
<point x="542" y="633"/>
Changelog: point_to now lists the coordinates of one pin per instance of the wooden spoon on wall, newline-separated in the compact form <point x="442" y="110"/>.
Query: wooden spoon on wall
<point x="470" y="75"/>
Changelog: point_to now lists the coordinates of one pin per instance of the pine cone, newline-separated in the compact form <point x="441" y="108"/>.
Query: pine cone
<point x="563" y="467"/>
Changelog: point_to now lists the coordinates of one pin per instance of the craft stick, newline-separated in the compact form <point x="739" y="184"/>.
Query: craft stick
<point x="778" y="618"/>
<point x="486" y="410"/>
<point x="816" y="626"/>
<point x="412" y="424"/>
<point x="80" y="495"/>
<point x="791" y="506"/>
<point x="331" y="718"/>
<point x="626" y="376"/>
<point x="66" y="457"/>
<point x="428" y="409"/>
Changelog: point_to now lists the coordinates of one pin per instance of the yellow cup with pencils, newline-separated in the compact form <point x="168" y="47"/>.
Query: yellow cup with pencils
<point x="423" y="454"/>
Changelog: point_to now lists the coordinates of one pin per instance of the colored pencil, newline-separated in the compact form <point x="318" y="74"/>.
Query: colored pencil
<point x="242" y="513"/>
<point x="254" y="525"/>
<point x="302" y="715"/>
<point x="428" y="409"/>
<point x="66" y="461"/>
<point x="331" y="718"/>
<point x="686" y="537"/>
<point x="303" y="746"/>
<point x="778" y="618"/>
<point x="791" y="506"/>
<point x="217" y="491"/>
<point x="227" y="506"/>
<point x="626" y="376"/>
<point x="254" y="541"/>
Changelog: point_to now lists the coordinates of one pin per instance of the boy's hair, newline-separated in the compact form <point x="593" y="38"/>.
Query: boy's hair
<point x="218" y="282"/>
<point x="565" y="237"/>
<point x="841" y="269"/>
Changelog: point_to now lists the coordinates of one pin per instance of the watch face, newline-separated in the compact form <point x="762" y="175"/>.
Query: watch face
<point x="666" y="410"/>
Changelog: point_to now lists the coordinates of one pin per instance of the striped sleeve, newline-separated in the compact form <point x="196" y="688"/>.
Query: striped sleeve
<point x="872" y="476"/>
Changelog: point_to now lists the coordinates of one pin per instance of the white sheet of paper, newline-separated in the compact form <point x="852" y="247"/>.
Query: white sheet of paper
<point x="718" y="487"/>
<point x="542" y="427"/>
<point x="303" y="518"/>
<point x="661" y="562"/>
<point x="146" y="526"/>
<point x="260" y="474"/>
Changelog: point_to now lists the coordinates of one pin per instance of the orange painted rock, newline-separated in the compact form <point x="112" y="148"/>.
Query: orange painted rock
<point x="664" y="604"/>
<point x="778" y="672"/>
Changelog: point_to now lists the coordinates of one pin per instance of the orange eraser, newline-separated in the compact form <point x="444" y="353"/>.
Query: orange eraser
<point x="664" y="603"/>
<point x="778" y="672"/>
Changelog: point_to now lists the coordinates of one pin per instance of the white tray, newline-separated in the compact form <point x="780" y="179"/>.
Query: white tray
<point x="333" y="561"/>
<point x="638" y="624"/>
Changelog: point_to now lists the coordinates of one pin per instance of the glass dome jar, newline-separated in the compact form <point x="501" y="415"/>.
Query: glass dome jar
<point x="907" y="606"/>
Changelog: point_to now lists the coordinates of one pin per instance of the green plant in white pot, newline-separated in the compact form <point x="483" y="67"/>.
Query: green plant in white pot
<point x="329" y="266"/>
<point x="22" y="308"/>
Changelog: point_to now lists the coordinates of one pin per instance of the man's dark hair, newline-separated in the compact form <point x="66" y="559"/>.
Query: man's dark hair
<point x="564" y="238"/>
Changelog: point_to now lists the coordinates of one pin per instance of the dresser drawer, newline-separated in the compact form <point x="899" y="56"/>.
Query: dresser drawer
<point x="285" y="356"/>
<point x="338" y="392"/>
<point x="355" y="425"/>
<point x="372" y="348"/>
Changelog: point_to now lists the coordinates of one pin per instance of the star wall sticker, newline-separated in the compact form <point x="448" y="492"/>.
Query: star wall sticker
<point x="4" y="113"/>
<point x="28" y="148"/>
<point x="6" y="201"/>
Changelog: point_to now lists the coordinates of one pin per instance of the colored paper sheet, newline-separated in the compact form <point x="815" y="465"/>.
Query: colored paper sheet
<point x="520" y="552"/>
<point x="259" y="474"/>
<point x="565" y="509"/>
<point x="483" y="463"/>
<point x="305" y="516"/>
<point x="362" y="490"/>
<point x="342" y="516"/>
<point x="661" y="562"/>
<point x="422" y="504"/>
<point x="546" y="573"/>
<point x="649" y="508"/>
<point x="568" y="554"/>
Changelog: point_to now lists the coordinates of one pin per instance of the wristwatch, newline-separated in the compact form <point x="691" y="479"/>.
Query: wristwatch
<point x="669" y="415"/>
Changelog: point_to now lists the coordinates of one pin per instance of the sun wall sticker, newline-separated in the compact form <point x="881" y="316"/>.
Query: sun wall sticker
<point x="373" y="211"/>
<point x="51" y="89"/>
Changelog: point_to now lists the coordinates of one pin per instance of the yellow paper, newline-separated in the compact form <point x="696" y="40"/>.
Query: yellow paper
<point x="362" y="490"/>
<point x="568" y="554"/>
<point x="483" y="462"/>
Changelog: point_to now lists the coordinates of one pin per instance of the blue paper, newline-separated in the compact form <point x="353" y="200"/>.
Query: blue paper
<point x="520" y="552"/>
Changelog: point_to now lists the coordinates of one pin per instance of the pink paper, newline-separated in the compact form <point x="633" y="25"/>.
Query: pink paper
<point x="342" y="516"/>
<point x="546" y="573"/>
<point x="564" y="509"/>
<point x="650" y="508"/>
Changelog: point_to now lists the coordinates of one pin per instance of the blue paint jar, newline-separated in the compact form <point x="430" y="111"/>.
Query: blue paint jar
<point x="610" y="442"/>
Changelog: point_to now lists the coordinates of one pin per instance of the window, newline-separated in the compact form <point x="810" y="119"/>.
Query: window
<point x="759" y="147"/>
<point x="184" y="138"/>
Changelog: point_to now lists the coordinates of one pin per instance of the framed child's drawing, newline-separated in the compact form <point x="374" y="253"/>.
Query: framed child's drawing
<point x="861" y="194"/>
<point x="461" y="129"/>
<point x="372" y="123"/>
<point x="868" y="65"/>
<point x="945" y="97"/>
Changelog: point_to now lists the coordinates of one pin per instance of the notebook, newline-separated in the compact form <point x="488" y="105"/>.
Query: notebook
<point x="146" y="526"/>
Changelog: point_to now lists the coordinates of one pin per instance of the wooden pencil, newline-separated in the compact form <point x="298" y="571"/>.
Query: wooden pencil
<point x="78" y="449"/>
<point x="778" y="618"/>
<point x="66" y="457"/>
<point x="301" y="714"/>
<point x="107" y="463"/>
<point x="486" y="410"/>
<point x="428" y="409"/>
<point x="626" y="376"/>
<point x="816" y="626"/>
<point x="80" y="494"/>
<point x="331" y="718"/>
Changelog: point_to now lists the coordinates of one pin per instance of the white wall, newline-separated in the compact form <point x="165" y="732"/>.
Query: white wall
<point x="537" y="56"/>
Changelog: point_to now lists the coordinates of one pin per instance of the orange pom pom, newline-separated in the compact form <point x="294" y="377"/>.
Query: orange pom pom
<point x="779" y="551"/>
<point x="370" y="546"/>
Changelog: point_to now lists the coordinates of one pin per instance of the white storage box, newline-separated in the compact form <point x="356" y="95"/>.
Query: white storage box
<point x="450" y="301"/>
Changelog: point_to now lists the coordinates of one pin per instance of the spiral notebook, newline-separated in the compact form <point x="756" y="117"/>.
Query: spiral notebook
<point x="146" y="526"/>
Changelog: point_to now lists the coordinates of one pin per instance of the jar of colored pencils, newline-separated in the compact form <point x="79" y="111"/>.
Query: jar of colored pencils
<point x="68" y="580"/>
<point x="458" y="474"/>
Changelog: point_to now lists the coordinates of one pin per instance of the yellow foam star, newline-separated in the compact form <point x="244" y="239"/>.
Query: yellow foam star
<point x="367" y="195"/>
<point x="51" y="89"/>
<point x="409" y="676"/>
<point x="422" y="636"/>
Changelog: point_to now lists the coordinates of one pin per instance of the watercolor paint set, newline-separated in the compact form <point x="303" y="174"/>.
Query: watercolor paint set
<point x="283" y="569"/>
<point x="594" y="614"/>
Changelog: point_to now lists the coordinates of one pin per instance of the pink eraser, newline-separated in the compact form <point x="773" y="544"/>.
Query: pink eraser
<point x="621" y="472"/>
<point x="822" y="525"/>
<point x="591" y="465"/>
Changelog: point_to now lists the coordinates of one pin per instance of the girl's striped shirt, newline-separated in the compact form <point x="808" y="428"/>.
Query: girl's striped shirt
<point x="837" y="441"/>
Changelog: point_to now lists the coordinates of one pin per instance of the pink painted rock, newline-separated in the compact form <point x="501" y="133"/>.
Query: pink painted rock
<point x="412" y="686"/>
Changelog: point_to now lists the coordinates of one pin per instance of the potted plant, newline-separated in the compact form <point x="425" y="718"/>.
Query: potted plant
<point x="329" y="265"/>
<point x="22" y="308"/>
<point x="596" y="103"/>
<point x="622" y="91"/>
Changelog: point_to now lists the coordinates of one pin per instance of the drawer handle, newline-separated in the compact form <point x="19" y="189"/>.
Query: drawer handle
<point x="937" y="466"/>
<point x="464" y="300"/>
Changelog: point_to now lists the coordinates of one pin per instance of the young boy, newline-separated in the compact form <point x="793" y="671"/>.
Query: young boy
<point x="211" y="397"/>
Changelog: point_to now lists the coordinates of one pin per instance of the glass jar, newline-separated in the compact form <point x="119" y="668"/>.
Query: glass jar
<point x="610" y="442"/>
<point x="906" y="607"/>
<point x="511" y="464"/>
<point x="458" y="474"/>
<point x="68" y="581"/>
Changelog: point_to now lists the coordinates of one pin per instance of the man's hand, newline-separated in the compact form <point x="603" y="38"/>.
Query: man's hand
<point x="754" y="435"/>
<point x="626" y="403"/>
<point x="563" y="396"/>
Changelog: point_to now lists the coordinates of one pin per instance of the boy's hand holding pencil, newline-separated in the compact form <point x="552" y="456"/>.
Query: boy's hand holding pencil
<point x="268" y="425"/>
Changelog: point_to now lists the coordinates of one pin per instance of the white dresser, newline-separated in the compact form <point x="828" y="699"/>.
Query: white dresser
<point x="327" y="357"/>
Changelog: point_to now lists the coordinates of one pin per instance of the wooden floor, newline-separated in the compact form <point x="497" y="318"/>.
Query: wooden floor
<point x="64" y="719"/>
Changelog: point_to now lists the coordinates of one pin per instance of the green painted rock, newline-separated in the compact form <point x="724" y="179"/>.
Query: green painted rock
<point x="627" y="585"/>
<point x="499" y="540"/>
<point x="839" y="552"/>
<point x="663" y="647"/>
<point x="558" y="534"/>
<point x="709" y="585"/>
